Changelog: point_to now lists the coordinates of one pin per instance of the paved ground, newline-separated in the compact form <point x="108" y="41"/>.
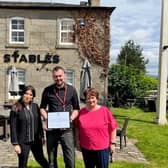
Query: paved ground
<point x="8" y="158"/>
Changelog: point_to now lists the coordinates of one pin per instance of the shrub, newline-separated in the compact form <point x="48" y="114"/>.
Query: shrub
<point x="126" y="82"/>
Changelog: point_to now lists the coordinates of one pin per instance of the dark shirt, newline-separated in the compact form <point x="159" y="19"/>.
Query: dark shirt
<point x="25" y="125"/>
<point x="50" y="100"/>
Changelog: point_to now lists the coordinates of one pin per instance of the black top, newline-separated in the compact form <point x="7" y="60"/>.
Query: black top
<point x="25" y="125"/>
<point x="50" y="98"/>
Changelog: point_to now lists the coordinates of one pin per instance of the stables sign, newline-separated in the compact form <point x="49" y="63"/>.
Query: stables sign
<point x="31" y="58"/>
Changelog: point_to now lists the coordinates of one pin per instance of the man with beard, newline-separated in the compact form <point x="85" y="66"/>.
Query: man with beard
<point x="60" y="97"/>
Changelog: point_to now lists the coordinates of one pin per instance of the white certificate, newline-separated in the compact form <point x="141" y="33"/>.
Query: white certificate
<point x="58" y="119"/>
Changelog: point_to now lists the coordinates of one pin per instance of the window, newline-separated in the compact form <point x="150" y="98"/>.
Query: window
<point x="67" y="31"/>
<point x="17" y="30"/>
<point x="69" y="77"/>
<point x="19" y="83"/>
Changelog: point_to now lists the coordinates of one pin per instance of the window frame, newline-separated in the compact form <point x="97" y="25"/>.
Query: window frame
<point x="65" y="31"/>
<point x="73" y="76"/>
<point x="17" y="30"/>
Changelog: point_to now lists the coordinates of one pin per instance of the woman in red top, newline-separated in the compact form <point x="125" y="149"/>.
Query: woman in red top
<point x="96" y="131"/>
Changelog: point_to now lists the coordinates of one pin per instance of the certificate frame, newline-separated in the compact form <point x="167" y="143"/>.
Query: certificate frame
<point x="58" y="120"/>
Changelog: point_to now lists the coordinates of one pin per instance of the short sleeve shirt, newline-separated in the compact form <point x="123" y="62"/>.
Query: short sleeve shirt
<point x="50" y="100"/>
<point x="95" y="128"/>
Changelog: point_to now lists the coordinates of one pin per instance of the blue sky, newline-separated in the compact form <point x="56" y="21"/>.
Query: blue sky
<point x="137" y="20"/>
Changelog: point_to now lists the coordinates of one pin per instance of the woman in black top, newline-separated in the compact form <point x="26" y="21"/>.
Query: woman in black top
<point x="26" y="129"/>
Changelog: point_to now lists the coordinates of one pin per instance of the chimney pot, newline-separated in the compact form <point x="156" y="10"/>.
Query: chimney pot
<point x="83" y="3"/>
<point x="94" y="2"/>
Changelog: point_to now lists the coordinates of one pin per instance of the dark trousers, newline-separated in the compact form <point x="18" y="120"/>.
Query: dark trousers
<point x="66" y="139"/>
<point x="37" y="150"/>
<point x="96" y="158"/>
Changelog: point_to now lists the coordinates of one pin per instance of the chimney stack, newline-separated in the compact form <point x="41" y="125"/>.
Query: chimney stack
<point x="83" y="3"/>
<point x="94" y="2"/>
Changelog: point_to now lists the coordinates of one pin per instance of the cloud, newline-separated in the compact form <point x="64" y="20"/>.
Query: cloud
<point x="113" y="55"/>
<point x="152" y="56"/>
<point x="136" y="2"/>
<point x="139" y="21"/>
<point x="49" y="1"/>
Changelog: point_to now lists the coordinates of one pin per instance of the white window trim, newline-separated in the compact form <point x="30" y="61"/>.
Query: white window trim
<point x="71" y="71"/>
<point x="60" y="31"/>
<point x="10" y="31"/>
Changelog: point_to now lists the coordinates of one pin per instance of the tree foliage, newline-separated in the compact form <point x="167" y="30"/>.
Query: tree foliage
<point x="127" y="82"/>
<point x="131" y="54"/>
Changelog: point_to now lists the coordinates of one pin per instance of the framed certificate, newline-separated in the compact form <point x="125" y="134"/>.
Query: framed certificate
<point x="58" y="119"/>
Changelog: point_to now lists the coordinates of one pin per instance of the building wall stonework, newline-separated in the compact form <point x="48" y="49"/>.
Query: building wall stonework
<point x="41" y="37"/>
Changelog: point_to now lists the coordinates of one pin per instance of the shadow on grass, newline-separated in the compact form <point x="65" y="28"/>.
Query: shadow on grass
<point x="132" y="119"/>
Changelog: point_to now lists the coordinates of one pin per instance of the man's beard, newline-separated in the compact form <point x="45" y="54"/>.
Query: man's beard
<point x="58" y="84"/>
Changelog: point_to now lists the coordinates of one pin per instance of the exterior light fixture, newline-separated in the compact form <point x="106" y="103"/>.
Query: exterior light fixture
<point x="82" y="22"/>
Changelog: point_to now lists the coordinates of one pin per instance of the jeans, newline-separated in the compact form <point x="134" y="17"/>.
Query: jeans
<point x="66" y="139"/>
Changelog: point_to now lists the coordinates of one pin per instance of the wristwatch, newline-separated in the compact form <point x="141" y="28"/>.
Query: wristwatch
<point x="113" y="143"/>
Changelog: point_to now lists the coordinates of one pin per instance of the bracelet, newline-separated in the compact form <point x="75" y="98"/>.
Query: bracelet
<point x="113" y="143"/>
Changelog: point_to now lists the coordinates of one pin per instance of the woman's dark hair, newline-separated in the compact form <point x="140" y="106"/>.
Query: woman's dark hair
<point x="19" y="104"/>
<point x="26" y="88"/>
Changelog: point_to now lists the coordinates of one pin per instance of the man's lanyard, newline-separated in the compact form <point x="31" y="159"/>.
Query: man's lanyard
<point x="62" y="101"/>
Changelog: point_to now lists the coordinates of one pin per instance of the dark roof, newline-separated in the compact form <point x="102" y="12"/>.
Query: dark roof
<point x="33" y="4"/>
<point x="44" y="5"/>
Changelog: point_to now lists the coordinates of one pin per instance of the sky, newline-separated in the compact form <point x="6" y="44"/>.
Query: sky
<point x="137" y="20"/>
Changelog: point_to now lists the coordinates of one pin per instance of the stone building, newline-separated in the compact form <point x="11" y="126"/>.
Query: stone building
<point x="35" y="37"/>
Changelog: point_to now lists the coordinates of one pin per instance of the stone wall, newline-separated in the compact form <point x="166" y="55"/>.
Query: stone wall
<point x="41" y="37"/>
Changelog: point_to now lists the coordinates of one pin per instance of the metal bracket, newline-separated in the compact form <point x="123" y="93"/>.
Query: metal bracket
<point x="165" y="47"/>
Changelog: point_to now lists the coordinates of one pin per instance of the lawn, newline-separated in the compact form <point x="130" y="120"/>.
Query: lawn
<point x="152" y="139"/>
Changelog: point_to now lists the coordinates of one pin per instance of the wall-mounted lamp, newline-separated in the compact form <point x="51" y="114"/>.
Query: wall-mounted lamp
<point x="82" y="22"/>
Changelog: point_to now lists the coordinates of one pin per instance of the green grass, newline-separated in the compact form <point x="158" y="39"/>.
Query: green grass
<point x="152" y="139"/>
<point x="79" y="164"/>
<point x="33" y="164"/>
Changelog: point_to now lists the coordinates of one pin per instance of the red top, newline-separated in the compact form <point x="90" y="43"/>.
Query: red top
<point x="95" y="128"/>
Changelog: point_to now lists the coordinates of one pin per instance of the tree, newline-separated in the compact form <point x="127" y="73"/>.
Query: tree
<point x="127" y="82"/>
<point x="131" y="54"/>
